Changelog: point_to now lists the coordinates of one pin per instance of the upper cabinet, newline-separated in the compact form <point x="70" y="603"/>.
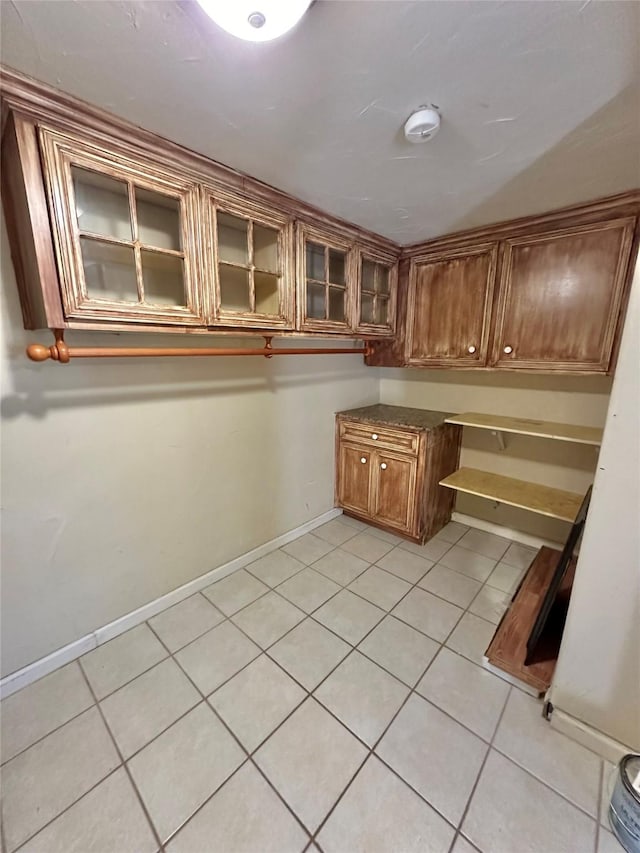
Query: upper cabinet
<point x="376" y="293"/>
<point x="124" y="235"/>
<point x="449" y="305"/>
<point x="560" y="295"/>
<point x="326" y="281"/>
<point x="112" y="227"/>
<point x="546" y="293"/>
<point x="250" y="253"/>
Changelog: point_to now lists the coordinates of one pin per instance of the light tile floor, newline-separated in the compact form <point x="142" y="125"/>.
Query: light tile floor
<point x="328" y="697"/>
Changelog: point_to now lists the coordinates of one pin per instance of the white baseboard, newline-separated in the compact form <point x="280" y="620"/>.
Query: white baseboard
<point x="507" y="532"/>
<point x="39" y="668"/>
<point x="593" y="739"/>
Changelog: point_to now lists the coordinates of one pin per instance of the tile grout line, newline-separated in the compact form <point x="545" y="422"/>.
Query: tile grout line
<point x="371" y="749"/>
<point x="126" y="768"/>
<point x="482" y="766"/>
<point x="227" y="618"/>
<point x="248" y="755"/>
<point x="38" y="740"/>
<point x="543" y="782"/>
<point x="65" y="809"/>
<point x="309" y="693"/>
<point x="599" y="808"/>
<point x="511" y="686"/>
<point x="267" y="648"/>
<point x="414" y="689"/>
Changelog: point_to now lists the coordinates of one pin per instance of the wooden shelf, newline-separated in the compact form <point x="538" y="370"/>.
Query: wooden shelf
<point x="526" y="426"/>
<point x="544" y="500"/>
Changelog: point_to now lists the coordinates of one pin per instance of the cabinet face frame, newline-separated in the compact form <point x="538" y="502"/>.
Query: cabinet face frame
<point x="218" y="201"/>
<point x="308" y="233"/>
<point x="480" y="357"/>
<point x="391" y="263"/>
<point x="61" y="152"/>
<point x="610" y="322"/>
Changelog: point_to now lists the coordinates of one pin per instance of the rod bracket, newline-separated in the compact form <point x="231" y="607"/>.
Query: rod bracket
<point x="268" y="345"/>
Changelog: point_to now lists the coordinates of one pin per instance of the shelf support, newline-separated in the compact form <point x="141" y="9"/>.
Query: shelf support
<point x="499" y="438"/>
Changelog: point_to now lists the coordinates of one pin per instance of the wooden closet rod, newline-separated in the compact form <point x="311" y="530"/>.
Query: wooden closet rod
<point x="60" y="351"/>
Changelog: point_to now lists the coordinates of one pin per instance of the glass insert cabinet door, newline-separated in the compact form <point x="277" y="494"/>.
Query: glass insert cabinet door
<point x="326" y="267"/>
<point x="377" y="285"/>
<point x="125" y="236"/>
<point x="251" y="254"/>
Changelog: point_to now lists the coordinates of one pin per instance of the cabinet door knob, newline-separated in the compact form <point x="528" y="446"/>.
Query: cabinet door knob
<point x="374" y="436"/>
<point x="471" y="349"/>
<point x="508" y="350"/>
<point x="384" y="466"/>
<point x="363" y="459"/>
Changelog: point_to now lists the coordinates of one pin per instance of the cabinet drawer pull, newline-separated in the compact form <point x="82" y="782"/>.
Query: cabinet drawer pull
<point x="384" y="466"/>
<point x="374" y="436"/>
<point x="508" y="350"/>
<point x="363" y="459"/>
<point x="472" y="349"/>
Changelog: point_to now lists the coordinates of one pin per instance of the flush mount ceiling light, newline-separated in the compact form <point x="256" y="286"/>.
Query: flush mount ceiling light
<point x="423" y="124"/>
<point x="256" y="20"/>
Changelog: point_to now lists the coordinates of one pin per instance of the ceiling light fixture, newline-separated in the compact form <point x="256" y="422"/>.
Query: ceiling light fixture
<point x="256" y="20"/>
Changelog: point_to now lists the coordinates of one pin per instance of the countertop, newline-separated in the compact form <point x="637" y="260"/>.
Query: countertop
<point x="397" y="416"/>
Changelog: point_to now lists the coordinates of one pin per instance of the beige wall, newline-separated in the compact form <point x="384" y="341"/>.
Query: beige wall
<point x="597" y="680"/>
<point x="579" y="400"/>
<point x="123" y="480"/>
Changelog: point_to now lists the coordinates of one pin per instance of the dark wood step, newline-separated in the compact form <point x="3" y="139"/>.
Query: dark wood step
<point x="508" y="648"/>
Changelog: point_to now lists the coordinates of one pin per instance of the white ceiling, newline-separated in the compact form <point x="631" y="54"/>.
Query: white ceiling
<point x="540" y="100"/>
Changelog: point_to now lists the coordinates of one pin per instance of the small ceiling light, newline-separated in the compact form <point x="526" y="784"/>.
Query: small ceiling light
<point x="256" y="20"/>
<point x="423" y="124"/>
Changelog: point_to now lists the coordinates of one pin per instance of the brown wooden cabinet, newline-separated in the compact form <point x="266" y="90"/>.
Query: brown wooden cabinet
<point x="251" y="259"/>
<point x="544" y="293"/>
<point x="559" y="297"/>
<point x="376" y="293"/>
<point x="326" y="280"/>
<point x="124" y="235"/>
<point x="449" y="307"/>
<point x="389" y="460"/>
<point x="113" y="228"/>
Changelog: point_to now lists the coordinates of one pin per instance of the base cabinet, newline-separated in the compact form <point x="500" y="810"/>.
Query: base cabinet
<point x="388" y="476"/>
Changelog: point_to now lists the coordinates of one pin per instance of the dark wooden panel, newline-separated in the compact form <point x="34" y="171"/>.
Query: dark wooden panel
<point x="448" y="308"/>
<point x="508" y="648"/>
<point x="28" y="226"/>
<point x="354" y="477"/>
<point x="394" y="490"/>
<point x="560" y="295"/>
<point x="442" y="459"/>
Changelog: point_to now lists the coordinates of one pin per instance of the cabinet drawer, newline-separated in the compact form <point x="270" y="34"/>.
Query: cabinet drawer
<point x="377" y="436"/>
